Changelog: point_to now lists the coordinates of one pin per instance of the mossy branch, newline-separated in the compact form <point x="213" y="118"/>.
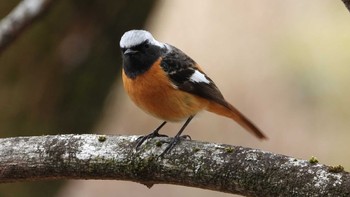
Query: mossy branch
<point x="219" y="167"/>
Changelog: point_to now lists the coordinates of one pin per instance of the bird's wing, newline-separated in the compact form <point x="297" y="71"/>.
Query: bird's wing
<point x="185" y="74"/>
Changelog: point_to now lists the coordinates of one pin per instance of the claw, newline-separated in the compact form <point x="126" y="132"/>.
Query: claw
<point x="154" y="134"/>
<point x="171" y="145"/>
<point x="142" y="139"/>
<point x="177" y="137"/>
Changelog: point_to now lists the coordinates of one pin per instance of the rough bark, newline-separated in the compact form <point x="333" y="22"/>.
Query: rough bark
<point x="220" y="167"/>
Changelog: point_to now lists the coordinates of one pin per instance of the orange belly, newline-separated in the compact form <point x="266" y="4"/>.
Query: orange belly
<point x="152" y="92"/>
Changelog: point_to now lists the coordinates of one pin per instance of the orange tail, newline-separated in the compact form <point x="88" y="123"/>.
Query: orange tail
<point x="231" y="112"/>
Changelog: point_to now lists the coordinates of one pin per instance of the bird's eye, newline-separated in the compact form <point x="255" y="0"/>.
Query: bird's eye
<point x="146" y="46"/>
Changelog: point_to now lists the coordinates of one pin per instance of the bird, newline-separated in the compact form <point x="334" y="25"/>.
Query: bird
<point x="168" y="84"/>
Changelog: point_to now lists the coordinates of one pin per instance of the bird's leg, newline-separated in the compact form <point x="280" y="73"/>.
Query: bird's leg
<point x="177" y="137"/>
<point x="151" y="135"/>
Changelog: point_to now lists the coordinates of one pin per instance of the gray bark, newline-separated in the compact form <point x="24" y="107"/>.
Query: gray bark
<point x="19" y="18"/>
<point x="219" y="167"/>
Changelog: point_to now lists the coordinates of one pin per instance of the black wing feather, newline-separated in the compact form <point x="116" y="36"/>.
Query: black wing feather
<point x="180" y="68"/>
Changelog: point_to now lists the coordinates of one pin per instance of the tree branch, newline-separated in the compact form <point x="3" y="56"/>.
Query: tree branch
<point x="225" y="168"/>
<point x="20" y="18"/>
<point x="347" y="4"/>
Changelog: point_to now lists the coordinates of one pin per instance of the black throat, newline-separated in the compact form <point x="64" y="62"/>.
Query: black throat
<point x="136" y="66"/>
<point x="140" y="62"/>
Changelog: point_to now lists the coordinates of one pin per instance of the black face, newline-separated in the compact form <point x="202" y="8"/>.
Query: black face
<point x="140" y="59"/>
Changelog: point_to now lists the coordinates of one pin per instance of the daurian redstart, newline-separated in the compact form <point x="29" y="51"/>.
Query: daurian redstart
<point x="166" y="83"/>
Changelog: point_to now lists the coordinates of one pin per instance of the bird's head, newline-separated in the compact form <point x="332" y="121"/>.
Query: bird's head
<point x="139" y="51"/>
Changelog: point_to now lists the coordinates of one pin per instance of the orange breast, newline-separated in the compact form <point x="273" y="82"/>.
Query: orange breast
<point x="153" y="92"/>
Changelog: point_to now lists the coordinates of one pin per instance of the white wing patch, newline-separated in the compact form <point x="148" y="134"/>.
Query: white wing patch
<point x="199" y="77"/>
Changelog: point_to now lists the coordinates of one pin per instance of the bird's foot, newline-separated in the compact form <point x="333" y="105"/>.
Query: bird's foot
<point x="173" y="142"/>
<point x="142" y="139"/>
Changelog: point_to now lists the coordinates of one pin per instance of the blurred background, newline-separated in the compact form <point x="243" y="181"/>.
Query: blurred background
<point x="284" y="64"/>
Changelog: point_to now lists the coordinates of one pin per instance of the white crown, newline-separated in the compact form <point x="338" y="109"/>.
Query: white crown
<point x="135" y="37"/>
